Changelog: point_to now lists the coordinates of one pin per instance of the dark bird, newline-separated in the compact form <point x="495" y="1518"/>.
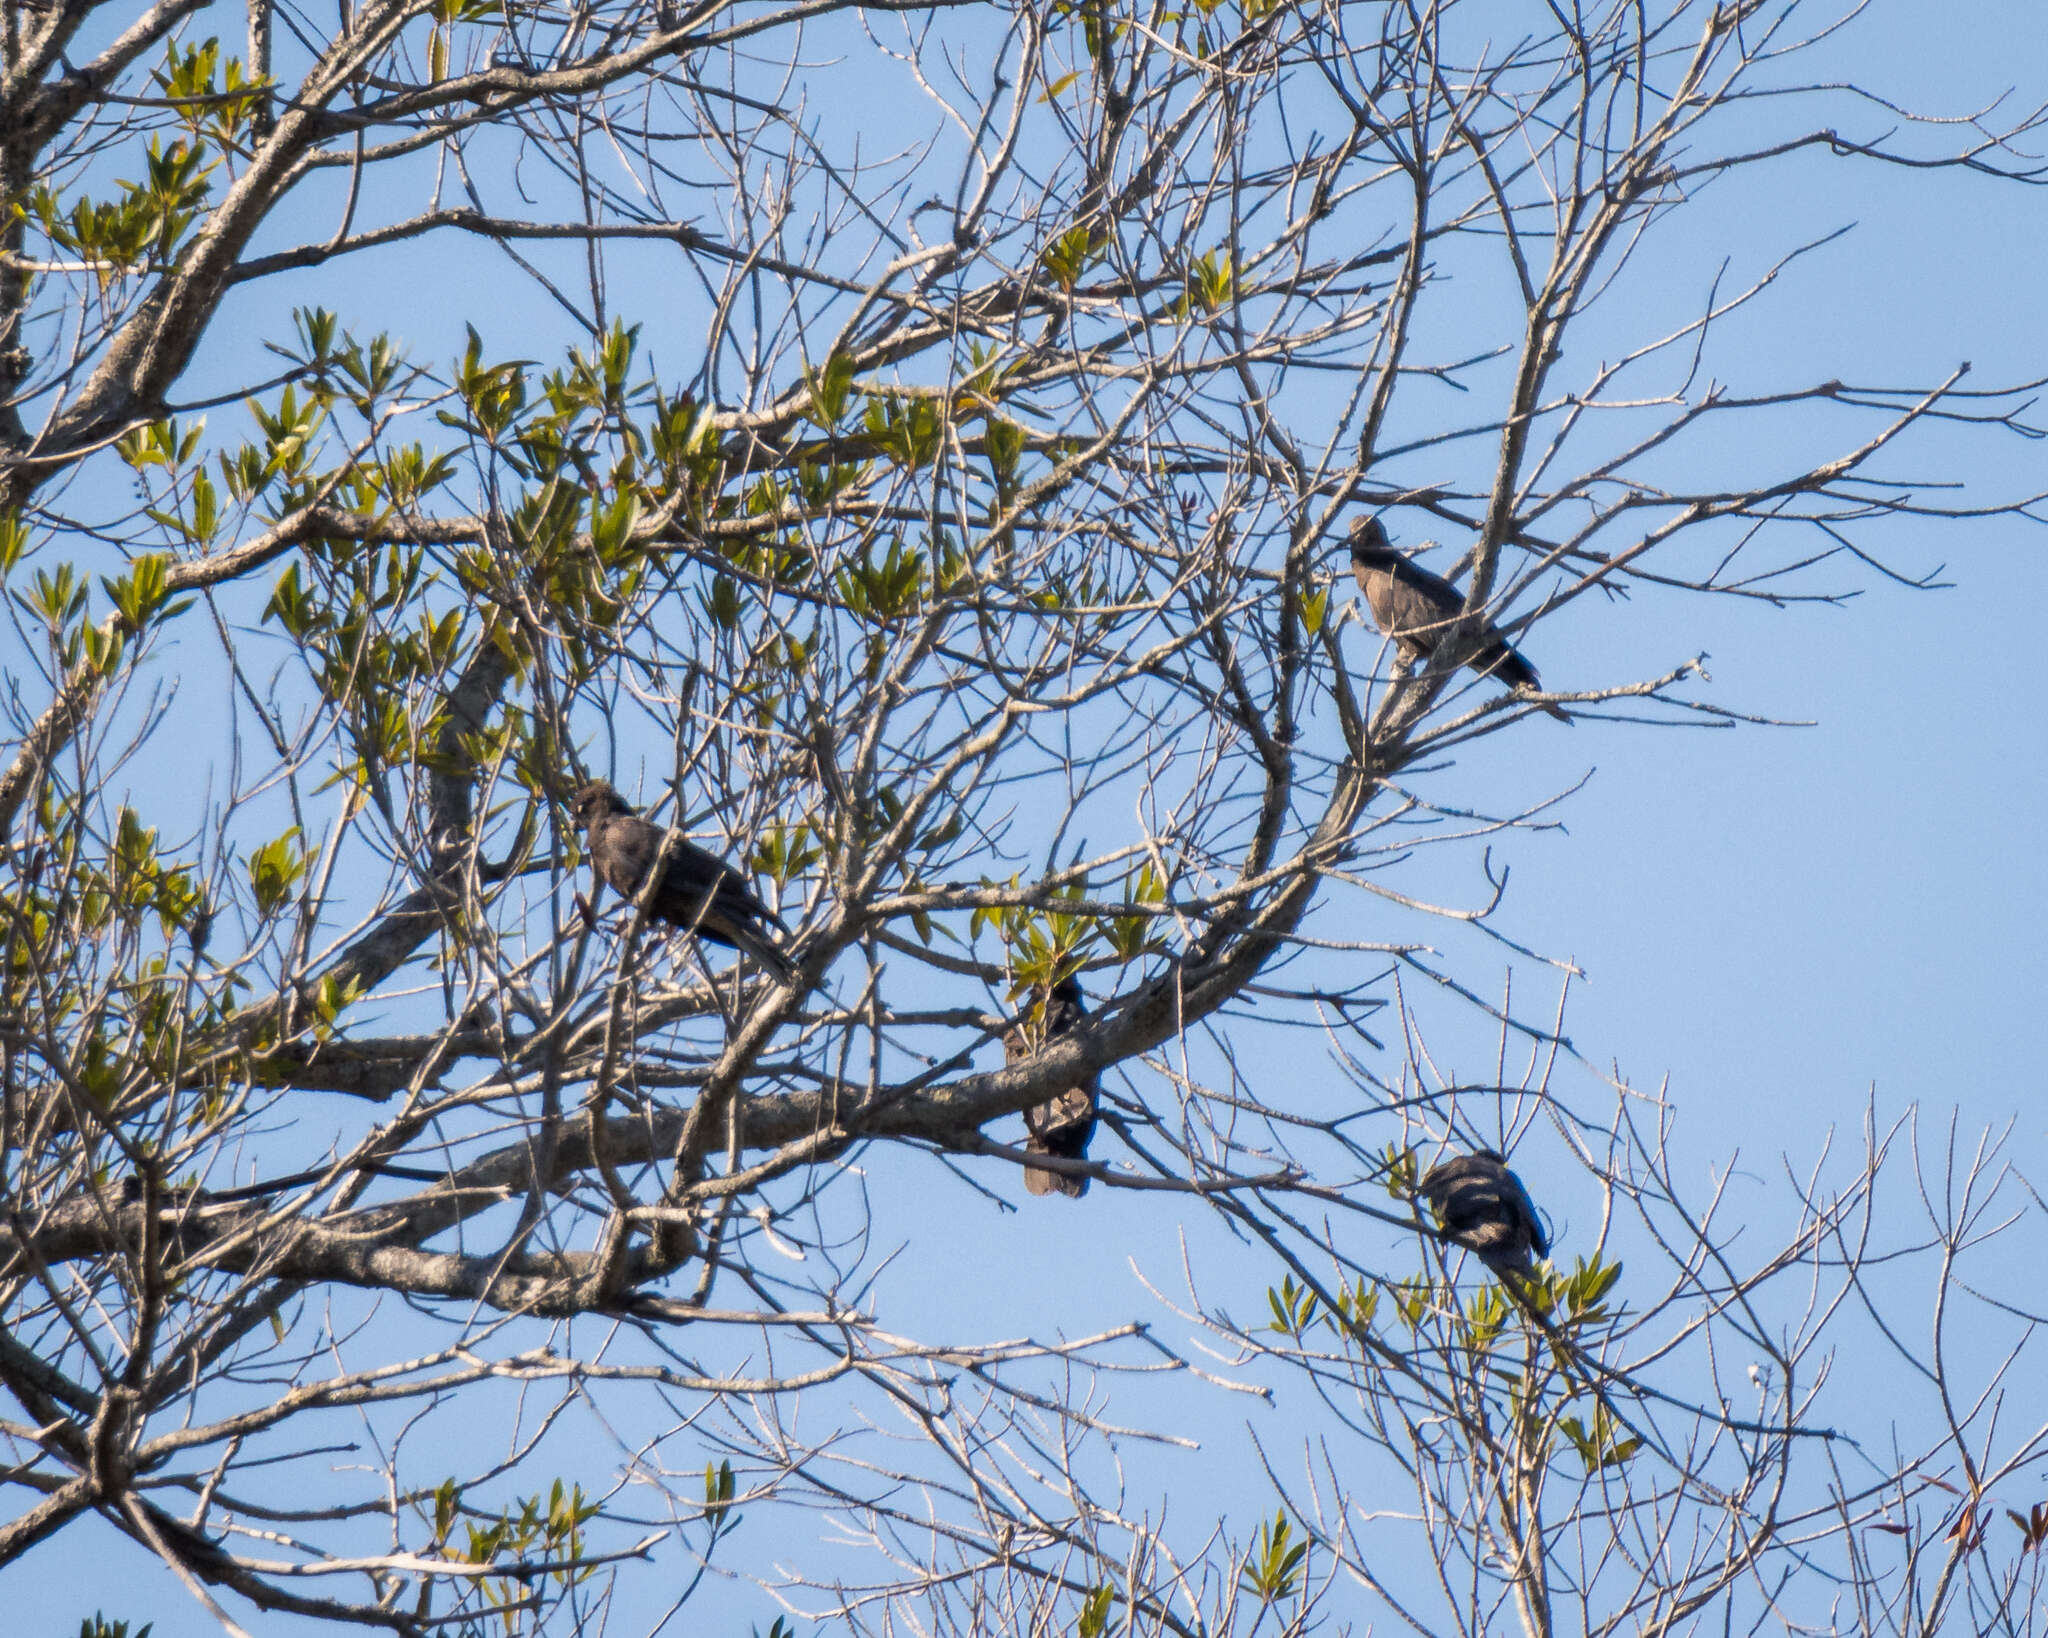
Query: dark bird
<point x="1063" y="1124"/>
<point x="1482" y="1206"/>
<point x="1417" y="609"/>
<point x="697" y="891"/>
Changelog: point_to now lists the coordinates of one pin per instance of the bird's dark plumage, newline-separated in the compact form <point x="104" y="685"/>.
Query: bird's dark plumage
<point x="697" y="890"/>
<point x="1417" y="609"/>
<point x="1063" y="1124"/>
<point x="1482" y="1206"/>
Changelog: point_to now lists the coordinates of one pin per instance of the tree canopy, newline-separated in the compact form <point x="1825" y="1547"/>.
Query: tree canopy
<point x="908" y="449"/>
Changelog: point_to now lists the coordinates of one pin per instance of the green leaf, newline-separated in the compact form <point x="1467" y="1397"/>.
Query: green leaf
<point x="275" y="870"/>
<point x="783" y="852"/>
<point x="611" y="527"/>
<point x="1211" y="282"/>
<point x="100" y="1627"/>
<point x="831" y="390"/>
<point x="14" y="543"/>
<point x="1071" y="255"/>
<point x="1598" y="1446"/>
<point x="1272" y="1570"/>
<point x="719" y="1489"/>
<point x="447" y="1500"/>
<point x="139" y="594"/>
<point x="1294" y="1308"/>
<point x="1003" y="442"/>
<point x="1357" y="1305"/>
<point x="722" y="602"/>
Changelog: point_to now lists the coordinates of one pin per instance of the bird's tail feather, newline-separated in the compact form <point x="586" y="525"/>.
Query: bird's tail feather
<point x="1508" y="665"/>
<point x="764" y="950"/>
<point x="1041" y="1180"/>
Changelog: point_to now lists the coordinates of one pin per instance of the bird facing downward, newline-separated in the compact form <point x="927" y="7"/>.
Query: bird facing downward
<point x="1482" y="1206"/>
<point x="697" y="891"/>
<point x="1417" y="610"/>
<point x="1063" y="1124"/>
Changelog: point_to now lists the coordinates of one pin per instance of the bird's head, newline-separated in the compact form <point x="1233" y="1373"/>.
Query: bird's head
<point x="597" y="800"/>
<point x="1068" y="990"/>
<point x="1370" y="548"/>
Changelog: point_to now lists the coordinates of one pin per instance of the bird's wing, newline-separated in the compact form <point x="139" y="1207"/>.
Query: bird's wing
<point x="737" y="897"/>
<point x="1467" y="1191"/>
<point x="1470" y="1207"/>
<point x="702" y="892"/>
<point x="1527" y="1209"/>
<point x="1413" y="607"/>
<point x="1425" y="596"/>
<point x="1446" y="1175"/>
<point x="697" y="886"/>
<point x="1426" y="604"/>
<point x="736" y="889"/>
